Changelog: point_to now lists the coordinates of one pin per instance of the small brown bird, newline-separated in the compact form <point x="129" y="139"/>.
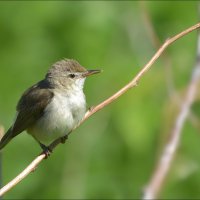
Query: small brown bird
<point x="51" y="108"/>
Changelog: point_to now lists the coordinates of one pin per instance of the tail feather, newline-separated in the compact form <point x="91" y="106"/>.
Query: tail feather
<point x="6" y="138"/>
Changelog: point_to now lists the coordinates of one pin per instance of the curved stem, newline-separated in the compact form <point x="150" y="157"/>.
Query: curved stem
<point x="31" y="167"/>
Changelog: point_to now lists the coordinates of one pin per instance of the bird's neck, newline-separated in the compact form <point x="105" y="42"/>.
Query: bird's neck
<point x="72" y="101"/>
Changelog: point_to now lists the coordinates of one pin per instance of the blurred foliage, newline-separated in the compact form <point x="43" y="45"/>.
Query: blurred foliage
<point x="113" y="154"/>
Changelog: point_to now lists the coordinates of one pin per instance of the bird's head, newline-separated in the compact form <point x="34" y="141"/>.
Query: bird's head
<point x="68" y="73"/>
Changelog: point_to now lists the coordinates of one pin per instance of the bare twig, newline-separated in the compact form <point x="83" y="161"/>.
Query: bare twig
<point x="159" y="175"/>
<point x="1" y="135"/>
<point x="166" y="60"/>
<point x="31" y="167"/>
<point x="154" y="38"/>
<point x="1" y="131"/>
<point x="93" y="110"/>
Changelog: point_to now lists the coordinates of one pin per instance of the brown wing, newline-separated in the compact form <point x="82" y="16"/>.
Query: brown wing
<point x="30" y="108"/>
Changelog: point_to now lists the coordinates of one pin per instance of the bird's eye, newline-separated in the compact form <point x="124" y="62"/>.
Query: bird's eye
<point x="71" y="75"/>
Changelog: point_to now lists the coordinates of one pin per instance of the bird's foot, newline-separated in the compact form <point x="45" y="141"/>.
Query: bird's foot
<point x="63" y="139"/>
<point x="90" y="108"/>
<point x="46" y="150"/>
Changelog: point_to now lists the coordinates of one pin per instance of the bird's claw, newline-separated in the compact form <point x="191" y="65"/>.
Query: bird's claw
<point x="46" y="150"/>
<point x="63" y="139"/>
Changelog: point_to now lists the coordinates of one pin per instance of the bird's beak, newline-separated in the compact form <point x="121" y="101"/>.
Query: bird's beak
<point x="91" y="72"/>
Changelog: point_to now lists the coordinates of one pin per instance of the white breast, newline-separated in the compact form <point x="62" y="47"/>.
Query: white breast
<point x="60" y="117"/>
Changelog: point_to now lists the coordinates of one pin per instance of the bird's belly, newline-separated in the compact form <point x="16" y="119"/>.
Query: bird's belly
<point x="59" y="118"/>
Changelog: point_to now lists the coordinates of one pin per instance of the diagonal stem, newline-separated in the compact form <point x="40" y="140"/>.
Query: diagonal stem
<point x="31" y="167"/>
<point x="160" y="173"/>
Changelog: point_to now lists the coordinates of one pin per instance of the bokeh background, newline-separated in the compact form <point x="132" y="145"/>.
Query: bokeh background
<point x="113" y="154"/>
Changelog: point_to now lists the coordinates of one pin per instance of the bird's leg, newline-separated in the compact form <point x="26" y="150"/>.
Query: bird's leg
<point x="90" y="108"/>
<point x="46" y="150"/>
<point x="63" y="139"/>
<point x="56" y="142"/>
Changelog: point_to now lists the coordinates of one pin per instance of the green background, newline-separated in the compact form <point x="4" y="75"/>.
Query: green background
<point x="113" y="154"/>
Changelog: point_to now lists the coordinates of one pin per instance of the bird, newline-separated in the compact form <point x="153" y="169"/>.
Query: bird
<point x="53" y="107"/>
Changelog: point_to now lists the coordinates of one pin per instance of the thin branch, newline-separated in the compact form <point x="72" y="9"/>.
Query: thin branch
<point x="160" y="173"/>
<point x="1" y="131"/>
<point x="135" y="80"/>
<point x="31" y="167"/>
<point x="156" y="43"/>
<point x="166" y="60"/>
<point x="1" y="135"/>
<point x="93" y="110"/>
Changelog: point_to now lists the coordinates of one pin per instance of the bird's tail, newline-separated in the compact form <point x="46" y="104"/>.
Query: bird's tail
<point x="6" y="138"/>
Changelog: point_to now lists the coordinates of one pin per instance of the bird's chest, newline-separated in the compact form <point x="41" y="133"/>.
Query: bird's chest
<point x="65" y="111"/>
<point x="62" y="114"/>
